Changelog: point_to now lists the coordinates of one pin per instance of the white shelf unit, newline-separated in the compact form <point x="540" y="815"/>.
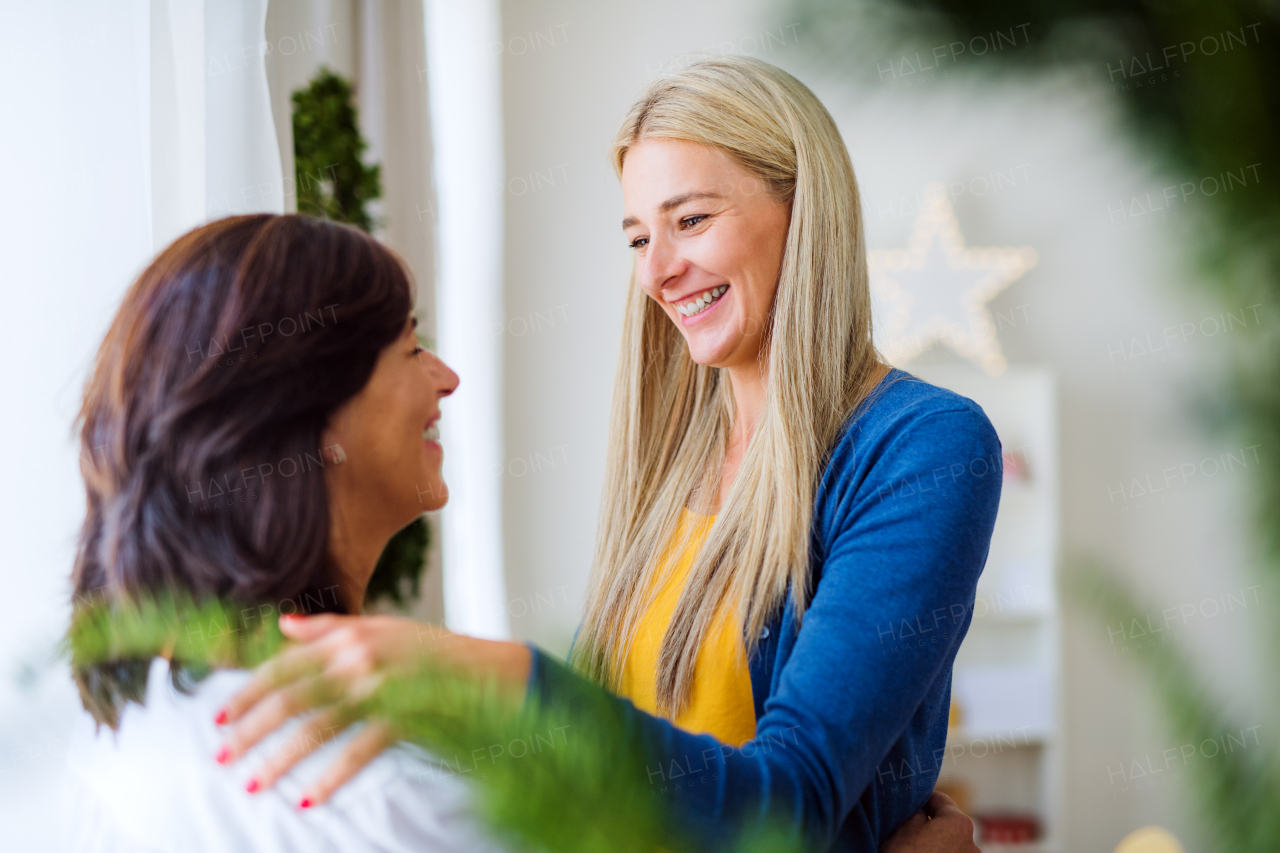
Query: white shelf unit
<point x="1007" y="751"/>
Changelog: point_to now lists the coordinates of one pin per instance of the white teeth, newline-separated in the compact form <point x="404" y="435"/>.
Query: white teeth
<point x="431" y="433"/>
<point x="699" y="304"/>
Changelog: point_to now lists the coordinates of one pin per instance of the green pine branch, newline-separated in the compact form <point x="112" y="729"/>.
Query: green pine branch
<point x="563" y="778"/>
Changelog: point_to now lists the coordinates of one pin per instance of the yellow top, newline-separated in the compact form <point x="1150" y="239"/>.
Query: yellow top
<point x="720" y="701"/>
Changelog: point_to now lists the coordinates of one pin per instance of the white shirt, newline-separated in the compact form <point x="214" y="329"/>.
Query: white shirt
<point x="153" y="787"/>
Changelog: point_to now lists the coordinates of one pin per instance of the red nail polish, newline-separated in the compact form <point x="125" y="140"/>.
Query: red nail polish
<point x="253" y="786"/>
<point x="305" y="804"/>
<point x="222" y="756"/>
<point x="220" y="717"/>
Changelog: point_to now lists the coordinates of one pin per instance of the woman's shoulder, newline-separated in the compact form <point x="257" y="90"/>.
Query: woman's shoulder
<point x="153" y="784"/>
<point x="908" y="428"/>
<point x="145" y="782"/>
<point x="901" y="399"/>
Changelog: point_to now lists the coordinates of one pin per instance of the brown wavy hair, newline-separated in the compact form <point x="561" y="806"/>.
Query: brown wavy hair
<point x="201" y="424"/>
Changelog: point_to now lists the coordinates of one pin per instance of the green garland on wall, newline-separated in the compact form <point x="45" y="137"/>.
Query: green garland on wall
<point x="1200" y="103"/>
<point x="334" y="182"/>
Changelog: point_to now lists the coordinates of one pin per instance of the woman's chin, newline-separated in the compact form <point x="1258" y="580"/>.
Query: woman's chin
<point x="714" y="343"/>
<point x="434" y="496"/>
<point x="709" y="353"/>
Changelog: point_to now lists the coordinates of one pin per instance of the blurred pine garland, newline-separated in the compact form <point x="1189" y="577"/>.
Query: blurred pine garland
<point x="589" y="793"/>
<point x="334" y="182"/>
<point x="1236" y="789"/>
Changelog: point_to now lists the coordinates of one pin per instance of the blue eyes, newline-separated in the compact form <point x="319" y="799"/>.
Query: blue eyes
<point x="685" y="224"/>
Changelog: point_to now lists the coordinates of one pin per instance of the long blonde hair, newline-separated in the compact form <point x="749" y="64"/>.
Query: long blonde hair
<point x="671" y="417"/>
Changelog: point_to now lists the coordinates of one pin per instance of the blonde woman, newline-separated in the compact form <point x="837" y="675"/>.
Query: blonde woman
<point x="780" y="508"/>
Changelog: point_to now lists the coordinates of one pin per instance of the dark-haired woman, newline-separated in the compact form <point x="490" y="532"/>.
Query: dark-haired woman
<point x="258" y="424"/>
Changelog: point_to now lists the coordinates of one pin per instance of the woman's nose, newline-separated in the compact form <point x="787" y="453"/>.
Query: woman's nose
<point x="662" y="263"/>
<point x="450" y="383"/>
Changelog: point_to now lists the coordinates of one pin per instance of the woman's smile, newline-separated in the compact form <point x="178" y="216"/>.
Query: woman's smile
<point x="695" y="308"/>
<point x="431" y="434"/>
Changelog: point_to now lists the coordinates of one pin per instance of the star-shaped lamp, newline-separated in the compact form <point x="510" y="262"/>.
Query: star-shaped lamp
<point x="937" y="290"/>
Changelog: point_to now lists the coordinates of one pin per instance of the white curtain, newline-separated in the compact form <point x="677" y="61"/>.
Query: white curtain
<point x="214" y="149"/>
<point x="466" y="129"/>
<point x="125" y="124"/>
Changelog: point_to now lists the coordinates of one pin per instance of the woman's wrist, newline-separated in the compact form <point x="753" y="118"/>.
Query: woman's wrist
<point x="509" y="661"/>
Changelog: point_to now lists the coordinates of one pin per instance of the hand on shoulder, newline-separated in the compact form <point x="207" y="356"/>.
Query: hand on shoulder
<point x="336" y="661"/>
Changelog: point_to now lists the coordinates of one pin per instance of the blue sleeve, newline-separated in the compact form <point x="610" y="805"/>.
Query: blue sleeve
<point x="901" y="534"/>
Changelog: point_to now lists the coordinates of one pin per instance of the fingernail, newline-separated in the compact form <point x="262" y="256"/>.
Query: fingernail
<point x="252" y="786"/>
<point x="220" y="717"/>
<point x="222" y="756"/>
<point x="305" y="804"/>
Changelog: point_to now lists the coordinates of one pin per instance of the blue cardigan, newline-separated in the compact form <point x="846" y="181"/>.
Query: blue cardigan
<point x="851" y="708"/>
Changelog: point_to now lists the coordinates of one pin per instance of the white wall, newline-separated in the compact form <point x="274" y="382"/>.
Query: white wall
<point x="572" y="68"/>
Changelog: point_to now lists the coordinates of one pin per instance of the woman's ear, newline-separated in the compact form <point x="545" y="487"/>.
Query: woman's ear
<point x="331" y="447"/>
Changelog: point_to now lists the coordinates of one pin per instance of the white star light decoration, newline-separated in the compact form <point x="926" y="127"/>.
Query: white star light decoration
<point x="937" y="290"/>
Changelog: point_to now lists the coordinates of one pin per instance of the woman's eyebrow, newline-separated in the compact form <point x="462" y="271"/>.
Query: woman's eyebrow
<point x="674" y="202"/>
